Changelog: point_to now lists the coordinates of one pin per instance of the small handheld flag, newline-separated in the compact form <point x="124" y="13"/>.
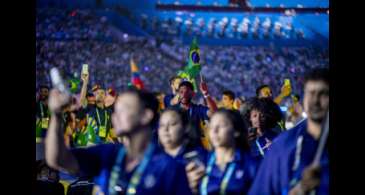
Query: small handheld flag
<point x="136" y="80"/>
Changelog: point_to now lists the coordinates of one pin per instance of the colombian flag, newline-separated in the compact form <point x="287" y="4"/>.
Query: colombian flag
<point x="136" y="80"/>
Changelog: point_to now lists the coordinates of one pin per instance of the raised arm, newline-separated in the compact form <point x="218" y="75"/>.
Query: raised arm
<point x="56" y="152"/>
<point x="85" y="81"/>
<point x="210" y="102"/>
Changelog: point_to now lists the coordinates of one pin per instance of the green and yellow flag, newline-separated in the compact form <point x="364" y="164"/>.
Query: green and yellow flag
<point x="192" y="69"/>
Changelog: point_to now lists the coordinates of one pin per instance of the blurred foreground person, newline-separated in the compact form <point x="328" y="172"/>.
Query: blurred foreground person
<point x="289" y="167"/>
<point x="137" y="167"/>
<point x="179" y="138"/>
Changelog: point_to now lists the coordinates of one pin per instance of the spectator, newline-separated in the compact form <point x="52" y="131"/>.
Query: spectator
<point x="42" y="113"/>
<point x="264" y="91"/>
<point x="172" y="99"/>
<point x="228" y="99"/>
<point x="98" y="116"/>
<point x="197" y="113"/>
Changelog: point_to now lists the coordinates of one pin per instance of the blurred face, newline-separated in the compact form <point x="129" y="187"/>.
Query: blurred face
<point x="109" y="100"/>
<point x="91" y="100"/>
<point x="175" y="84"/>
<point x="185" y="94"/>
<point x="221" y="132"/>
<point x="316" y="100"/>
<point x="227" y="102"/>
<point x="99" y="95"/>
<point x="127" y="113"/>
<point x="43" y="93"/>
<point x="265" y="92"/>
<point x="171" y="131"/>
<point x="255" y="116"/>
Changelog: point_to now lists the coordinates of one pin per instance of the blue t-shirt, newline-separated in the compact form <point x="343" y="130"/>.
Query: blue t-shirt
<point x="162" y="175"/>
<point x="241" y="179"/>
<point x="276" y="170"/>
<point x="196" y="113"/>
<point x="167" y="100"/>
<point x="258" y="144"/>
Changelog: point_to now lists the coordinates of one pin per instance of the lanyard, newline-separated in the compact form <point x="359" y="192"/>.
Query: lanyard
<point x="191" y="112"/>
<point x="225" y="180"/>
<point x="105" y="117"/>
<point x="42" y="112"/>
<point x="136" y="177"/>
<point x="296" y="172"/>
<point x="259" y="147"/>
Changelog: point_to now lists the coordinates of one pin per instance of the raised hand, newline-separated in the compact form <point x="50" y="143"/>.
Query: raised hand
<point x="57" y="101"/>
<point x="285" y="90"/>
<point x="203" y="88"/>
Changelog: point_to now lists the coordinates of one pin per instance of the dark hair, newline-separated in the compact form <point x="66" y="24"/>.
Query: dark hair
<point x="296" y="96"/>
<point x="271" y="113"/>
<point x="258" y="89"/>
<point x="172" y="79"/>
<point x="230" y="94"/>
<point x="89" y="94"/>
<point x="43" y="87"/>
<point x="186" y="84"/>
<point x="318" y="74"/>
<point x="147" y="101"/>
<point x="239" y="127"/>
<point x="192" y="137"/>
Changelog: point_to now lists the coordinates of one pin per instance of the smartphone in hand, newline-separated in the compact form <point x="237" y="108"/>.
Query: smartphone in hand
<point x="193" y="157"/>
<point x="286" y="82"/>
<point x="85" y="69"/>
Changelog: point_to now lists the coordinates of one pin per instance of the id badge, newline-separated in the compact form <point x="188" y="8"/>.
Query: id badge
<point x="44" y="123"/>
<point x="102" y="131"/>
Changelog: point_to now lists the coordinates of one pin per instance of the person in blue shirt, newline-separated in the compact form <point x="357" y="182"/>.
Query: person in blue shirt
<point x="136" y="167"/>
<point x="173" y="99"/>
<point x="230" y="169"/>
<point x="262" y="117"/>
<point x="179" y="138"/>
<point x="196" y="113"/>
<point x="288" y="167"/>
